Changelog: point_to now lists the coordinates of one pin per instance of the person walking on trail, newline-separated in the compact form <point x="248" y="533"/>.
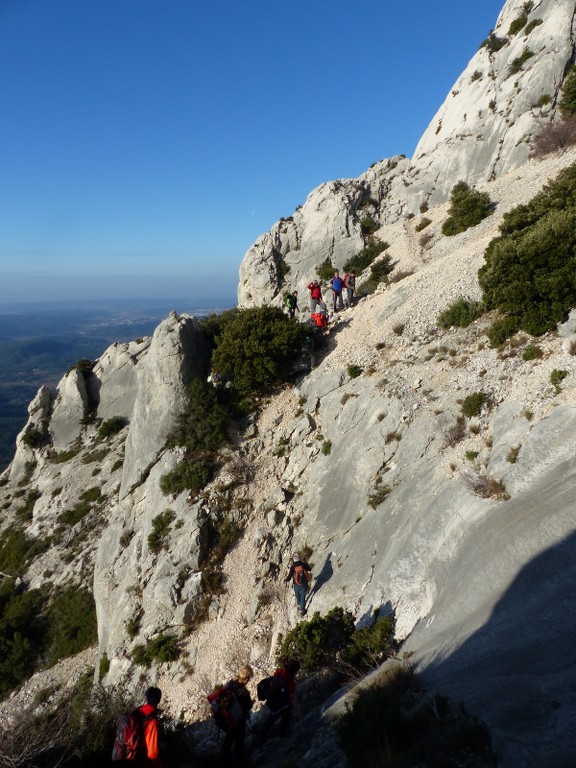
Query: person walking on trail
<point x="337" y="284"/>
<point x="235" y="728"/>
<point x="299" y="576"/>
<point x="350" y="285"/>
<point x="315" y="295"/>
<point x="292" y="303"/>
<point x="282" y="700"/>
<point x="149" y="714"/>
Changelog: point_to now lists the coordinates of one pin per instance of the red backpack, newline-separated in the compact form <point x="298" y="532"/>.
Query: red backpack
<point x="300" y="575"/>
<point x="225" y="707"/>
<point x="130" y="743"/>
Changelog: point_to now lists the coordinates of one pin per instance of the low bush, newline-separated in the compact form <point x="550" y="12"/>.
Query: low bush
<point x="551" y="137"/>
<point x="468" y="208"/>
<point x="395" y="722"/>
<point x="529" y="268"/>
<point x="423" y="223"/>
<point x="460" y="313"/>
<point x="379" y="272"/>
<point x="354" y="370"/>
<point x="379" y="495"/>
<point x="364" y="259"/>
<point x="161" y="525"/>
<point x="111" y="427"/>
<point x="202" y="427"/>
<point x="18" y="550"/>
<point x="368" y="226"/>
<point x="473" y="404"/>
<point x="190" y="475"/>
<point x="532" y="352"/>
<point x="494" y="43"/>
<point x="71" y="624"/>
<point x="556" y="377"/>
<point x="160" y="650"/>
<point x="319" y="641"/>
<point x="567" y="102"/>
<point x="257" y="347"/>
<point x="518" y="63"/>
<point x="326" y="270"/>
<point x="518" y="24"/>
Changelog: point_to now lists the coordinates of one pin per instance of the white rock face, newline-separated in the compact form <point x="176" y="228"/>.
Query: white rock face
<point x="176" y="355"/>
<point x="481" y="131"/>
<point x="70" y="407"/>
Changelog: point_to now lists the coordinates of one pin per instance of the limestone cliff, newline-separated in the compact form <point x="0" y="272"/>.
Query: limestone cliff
<point x="482" y="130"/>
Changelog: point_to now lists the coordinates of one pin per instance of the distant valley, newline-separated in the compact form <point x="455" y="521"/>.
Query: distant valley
<point x="39" y="342"/>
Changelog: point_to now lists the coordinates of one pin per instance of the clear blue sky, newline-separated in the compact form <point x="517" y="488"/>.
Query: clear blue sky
<point x="145" y="144"/>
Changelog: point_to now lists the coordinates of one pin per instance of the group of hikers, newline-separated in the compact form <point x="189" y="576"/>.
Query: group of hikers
<point x="137" y="732"/>
<point x="318" y="307"/>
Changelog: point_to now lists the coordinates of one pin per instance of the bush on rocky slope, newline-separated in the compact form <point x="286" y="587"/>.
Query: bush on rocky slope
<point x="468" y="207"/>
<point x="529" y="270"/>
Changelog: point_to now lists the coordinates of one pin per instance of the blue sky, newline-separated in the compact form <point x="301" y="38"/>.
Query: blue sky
<point x="145" y="144"/>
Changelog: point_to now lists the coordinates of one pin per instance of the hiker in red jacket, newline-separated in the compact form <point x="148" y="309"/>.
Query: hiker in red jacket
<point x="150" y="714"/>
<point x="315" y="295"/>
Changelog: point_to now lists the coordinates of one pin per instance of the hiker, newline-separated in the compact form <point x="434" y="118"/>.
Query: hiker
<point x="282" y="699"/>
<point x="315" y="295"/>
<point x="137" y="739"/>
<point x="291" y="302"/>
<point x="235" y="726"/>
<point x="299" y="577"/>
<point x="337" y="284"/>
<point x="350" y="285"/>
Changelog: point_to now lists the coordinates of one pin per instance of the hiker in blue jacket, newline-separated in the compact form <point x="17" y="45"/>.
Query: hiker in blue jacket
<point x="299" y="576"/>
<point x="337" y="284"/>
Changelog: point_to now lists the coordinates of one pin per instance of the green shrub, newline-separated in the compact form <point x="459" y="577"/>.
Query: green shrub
<point x="103" y="667"/>
<point x="471" y="455"/>
<point x="35" y="438"/>
<point x="476" y="75"/>
<point x="74" y="515"/>
<point x="543" y="100"/>
<point x="213" y="324"/>
<point x="362" y="260"/>
<point x="26" y="510"/>
<point x="473" y="404"/>
<point x="379" y="495"/>
<point x="460" y="313"/>
<point x="319" y="641"/>
<point x="256" y="348"/>
<point x="423" y="223"/>
<point x="494" y="43"/>
<point x="532" y="352"/>
<point x="326" y="447"/>
<point x="529" y="268"/>
<point x="518" y="63"/>
<point x="518" y="24"/>
<point x="202" y="427"/>
<point x="190" y="475"/>
<point x="532" y="25"/>
<point x="371" y="645"/>
<point x="368" y="226"/>
<point x="18" y="550"/>
<point x="502" y="329"/>
<point x="468" y="207"/>
<point x="556" y="377"/>
<point x="111" y="427"/>
<point x="394" y="722"/>
<point x="567" y="101"/>
<point x="354" y="371"/>
<point x="162" y="650"/>
<point x="161" y="525"/>
<point x="71" y="624"/>
<point x="378" y="273"/>
<point x="326" y="270"/>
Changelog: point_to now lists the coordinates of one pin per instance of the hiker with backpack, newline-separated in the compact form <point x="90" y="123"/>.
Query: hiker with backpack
<point x="299" y="576"/>
<point x="315" y="295"/>
<point x="350" y="285"/>
<point x="279" y="692"/>
<point x="231" y="705"/>
<point x="291" y="302"/>
<point x="137" y="735"/>
<point x="337" y="284"/>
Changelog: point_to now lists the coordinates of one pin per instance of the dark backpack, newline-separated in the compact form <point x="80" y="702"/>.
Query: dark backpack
<point x="130" y="743"/>
<point x="226" y="708"/>
<point x="300" y="575"/>
<point x="263" y="688"/>
<point x="278" y="697"/>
